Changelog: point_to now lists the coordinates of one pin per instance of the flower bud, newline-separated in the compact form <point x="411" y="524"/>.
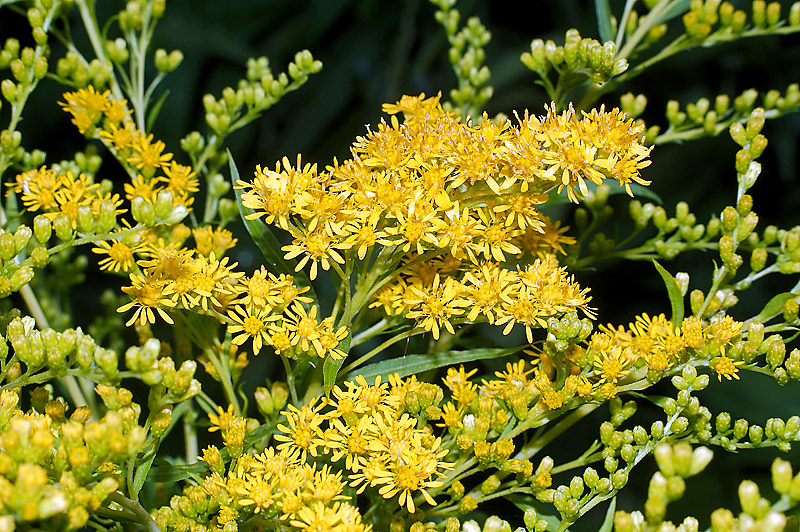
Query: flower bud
<point x="161" y="422"/>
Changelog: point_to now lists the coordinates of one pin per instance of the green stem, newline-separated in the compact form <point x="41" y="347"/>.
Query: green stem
<point x="391" y="341"/>
<point x="98" y="43"/>
<point x="137" y="509"/>
<point x="225" y="379"/>
<point x="290" y="379"/>
<point x="366" y="334"/>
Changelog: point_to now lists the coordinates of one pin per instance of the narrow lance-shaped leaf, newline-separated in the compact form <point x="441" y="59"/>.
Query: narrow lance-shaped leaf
<point x="604" y="26"/>
<point x="774" y="307"/>
<point x="608" y="522"/>
<point x="414" y="364"/>
<point x="674" y="293"/>
<point x="331" y="367"/>
<point x="266" y="240"/>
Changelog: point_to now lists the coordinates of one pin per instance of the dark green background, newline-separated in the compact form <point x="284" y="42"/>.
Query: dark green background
<point x="375" y="51"/>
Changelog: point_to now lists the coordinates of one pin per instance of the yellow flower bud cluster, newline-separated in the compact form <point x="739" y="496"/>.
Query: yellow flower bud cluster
<point x="56" y="471"/>
<point x="273" y="485"/>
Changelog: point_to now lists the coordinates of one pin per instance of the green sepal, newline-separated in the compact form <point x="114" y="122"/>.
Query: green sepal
<point x="604" y="25"/>
<point x="266" y="240"/>
<point x="413" y="364"/>
<point x="674" y="292"/>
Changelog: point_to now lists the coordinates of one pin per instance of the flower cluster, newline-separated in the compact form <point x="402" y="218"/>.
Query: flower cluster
<point x="61" y="485"/>
<point x="381" y="445"/>
<point x="433" y="183"/>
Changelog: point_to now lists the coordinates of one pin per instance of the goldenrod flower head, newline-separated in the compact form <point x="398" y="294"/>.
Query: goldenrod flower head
<point x="725" y="366"/>
<point x="148" y="293"/>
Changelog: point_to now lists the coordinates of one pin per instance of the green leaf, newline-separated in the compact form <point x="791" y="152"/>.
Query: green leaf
<point x="677" y="8"/>
<point x="266" y="240"/>
<point x="152" y="116"/>
<point x="674" y="292"/>
<point x="608" y="522"/>
<point x="774" y="307"/>
<point x="143" y="469"/>
<point x="604" y="25"/>
<point x="331" y="367"/>
<point x="412" y="364"/>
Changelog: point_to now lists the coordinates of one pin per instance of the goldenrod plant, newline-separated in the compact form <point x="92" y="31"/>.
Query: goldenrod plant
<point x="422" y="297"/>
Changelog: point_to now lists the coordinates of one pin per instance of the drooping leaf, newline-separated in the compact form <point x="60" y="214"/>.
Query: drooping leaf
<point x="604" y="25"/>
<point x="608" y="522"/>
<point x="331" y="367"/>
<point x="774" y="307"/>
<point x="674" y="293"/>
<point x="413" y="364"/>
<point x="266" y="241"/>
<point x="152" y="116"/>
<point x="676" y="9"/>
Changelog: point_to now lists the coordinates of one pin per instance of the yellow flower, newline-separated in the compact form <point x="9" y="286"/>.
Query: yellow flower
<point x="221" y="420"/>
<point x="213" y="240"/>
<point x="147" y="155"/>
<point x="725" y="367"/>
<point x="318" y="247"/>
<point x="148" y="293"/>
<point x="613" y="364"/>
<point x="120" y="256"/>
<point x="180" y="179"/>
<point x="433" y="306"/>
<point x="120" y="137"/>
<point x="86" y="107"/>
<point x="250" y="322"/>
<point x="302" y="431"/>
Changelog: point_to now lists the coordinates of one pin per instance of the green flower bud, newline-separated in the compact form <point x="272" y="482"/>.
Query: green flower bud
<point x="775" y="350"/>
<point x="86" y="221"/>
<point x="619" y="479"/>
<point x="680" y="425"/>
<point x="756" y="434"/>
<point x="7" y="251"/>
<point x="106" y="360"/>
<point x="490" y="485"/>
<point x="9" y="91"/>
<point x="749" y="496"/>
<point x="143" y="211"/>
<point x="161" y="422"/>
<point x="21" y="277"/>
<point x="63" y="227"/>
<point x="758" y="259"/>
<point x="10" y="140"/>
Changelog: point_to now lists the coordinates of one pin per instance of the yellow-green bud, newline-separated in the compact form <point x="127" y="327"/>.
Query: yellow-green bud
<point x="490" y="485"/>
<point x="42" y="229"/>
<point x="756" y="434"/>
<point x="86" y="222"/>
<point x="161" y="422"/>
<point x="7" y="251"/>
<point x="143" y="211"/>
<point x="63" y="227"/>
<point x="21" y="277"/>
